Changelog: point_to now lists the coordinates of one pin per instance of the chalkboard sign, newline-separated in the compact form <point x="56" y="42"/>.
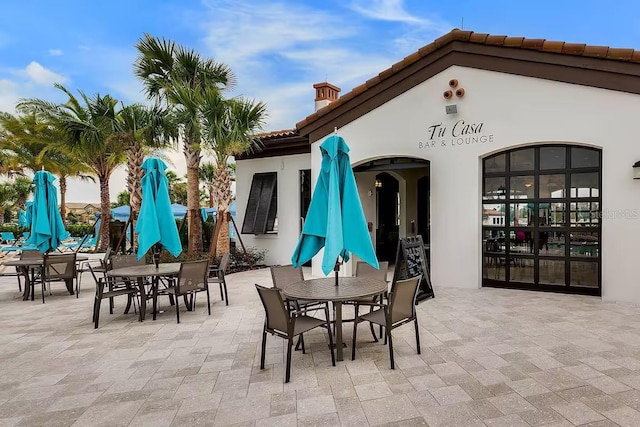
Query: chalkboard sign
<point x="411" y="261"/>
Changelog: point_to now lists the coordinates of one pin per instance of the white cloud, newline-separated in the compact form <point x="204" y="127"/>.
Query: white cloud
<point x="386" y="10"/>
<point x="42" y="75"/>
<point x="55" y="52"/>
<point x="8" y="95"/>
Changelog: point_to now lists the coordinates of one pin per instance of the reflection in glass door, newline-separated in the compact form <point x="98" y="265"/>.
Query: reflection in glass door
<point x="541" y="219"/>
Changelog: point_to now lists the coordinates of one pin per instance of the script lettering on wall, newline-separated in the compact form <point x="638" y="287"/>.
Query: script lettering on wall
<point x="458" y="134"/>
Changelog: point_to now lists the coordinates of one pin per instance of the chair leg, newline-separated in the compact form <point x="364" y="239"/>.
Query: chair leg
<point x="393" y="365"/>
<point x="208" y="301"/>
<point x="221" y="293"/>
<point x="302" y="343"/>
<point x="288" y="369"/>
<point x="111" y="302"/>
<point x="154" y="297"/>
<point x="355" y="332"/>
<point x="96" y="310"/>
<point x="177" y="309"/>
<point x="226" y="295"/>
<point x="333" y="355"/>
<point x="417" y="335"/>
<point x="43" y="290"/>
<point x="78" y="282"/>
<point x="264" y="346"/>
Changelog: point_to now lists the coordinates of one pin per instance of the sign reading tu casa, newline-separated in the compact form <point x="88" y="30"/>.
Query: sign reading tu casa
<point x="458" y="134"/>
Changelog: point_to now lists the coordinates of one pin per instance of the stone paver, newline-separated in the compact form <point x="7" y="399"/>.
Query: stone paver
<point x="490" y="357"/>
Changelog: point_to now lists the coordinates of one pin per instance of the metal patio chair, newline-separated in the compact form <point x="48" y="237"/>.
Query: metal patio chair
<point x="191" y="279"/>
<point x="287" y="324"/>
<point x="401" y="309"/>
<point x="217" y="275"/>
<point x="58" y="268"/>
<point x="365" y="270"/>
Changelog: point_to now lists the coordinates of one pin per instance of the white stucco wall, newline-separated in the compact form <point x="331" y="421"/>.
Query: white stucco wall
<point x="515" y="110"/>
<point x="279" y="246"/>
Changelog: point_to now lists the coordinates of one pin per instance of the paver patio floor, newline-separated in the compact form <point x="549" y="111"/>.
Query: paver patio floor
<point x="489" y="357"/>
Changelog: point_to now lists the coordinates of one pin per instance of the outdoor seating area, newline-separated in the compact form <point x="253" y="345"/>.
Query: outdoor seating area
<point x="489" y="357"/>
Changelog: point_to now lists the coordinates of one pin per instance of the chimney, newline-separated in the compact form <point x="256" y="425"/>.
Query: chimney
<point x="326" y="93"/>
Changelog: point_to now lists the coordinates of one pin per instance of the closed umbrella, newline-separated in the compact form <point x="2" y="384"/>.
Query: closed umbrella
<point x="156" y="224"/>
<point x="24" y="216"/>
<point x="335" y="219"/>
<point x="47" y="228"/>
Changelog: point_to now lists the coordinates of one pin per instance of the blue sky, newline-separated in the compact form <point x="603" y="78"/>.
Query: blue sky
<point x="277" y="48"/>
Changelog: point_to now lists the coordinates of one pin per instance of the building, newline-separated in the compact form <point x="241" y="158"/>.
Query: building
<point x="85" y="211"/>
<point x="512" y="157"/>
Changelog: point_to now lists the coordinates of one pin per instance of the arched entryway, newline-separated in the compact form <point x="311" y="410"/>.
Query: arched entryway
<point x="395" y="196"/>
<point x="541" y="219"/>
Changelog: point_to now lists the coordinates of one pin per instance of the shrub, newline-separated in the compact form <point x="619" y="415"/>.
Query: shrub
<point x="79" y="229"/>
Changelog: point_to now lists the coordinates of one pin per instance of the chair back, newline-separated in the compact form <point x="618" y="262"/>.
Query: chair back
<point x="192" y="276"/>
<point x="121" y="261"/>
<point x="277" y="317"/>
<point x="402" y="299"/>
<point x="365" y="270"/>
<point x="7" y="236"/>
<point x="104" y="262"/>
<point x="99" y="280"/>
<point x="284" y="275"/>
<point x="224" y="263"/>
<point x="31" y="254"/>
<point x="60" y="266"/>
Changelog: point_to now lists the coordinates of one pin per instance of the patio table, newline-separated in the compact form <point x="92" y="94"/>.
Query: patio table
<point x="30" y="264"/>
<point x="139" y="272"/>
<point x="325" y="289"/>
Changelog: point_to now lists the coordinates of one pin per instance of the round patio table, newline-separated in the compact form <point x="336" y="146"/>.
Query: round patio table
<point x="325" y="289"/>
<point x="24" y="265"/>
<point x="139" y="272"/>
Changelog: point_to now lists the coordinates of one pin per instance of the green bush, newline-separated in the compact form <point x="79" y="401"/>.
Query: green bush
<point x="10" y="227"/>
<point x="79" y="229"/>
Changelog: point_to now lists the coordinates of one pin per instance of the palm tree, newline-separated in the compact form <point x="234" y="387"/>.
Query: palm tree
<point x="124" y="198"/>
<point x="7" y="197"/>
<point x="22" y="188"/>
<point x="35" y="144"/>
<point x="141" y="130"/>
<point x="87" y="128"/>
<point x="207" y="176"/>
<point x="173" y="180"/>
<point x="179" y="77"/>
<point x="231" y="125"/>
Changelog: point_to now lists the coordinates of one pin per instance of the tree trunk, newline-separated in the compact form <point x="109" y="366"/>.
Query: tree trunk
<point x="105" y="211"/>
<point x="222" y="184"/>
<point x="2" y="211"/>
<point x="63" y="198"/>
<point x="212" y="196"/>
<point x="194" y="218"/>
<point x="135" y="157"/>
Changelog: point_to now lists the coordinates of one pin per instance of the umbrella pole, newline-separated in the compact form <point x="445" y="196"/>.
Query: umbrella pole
<point x="336" y="269"/>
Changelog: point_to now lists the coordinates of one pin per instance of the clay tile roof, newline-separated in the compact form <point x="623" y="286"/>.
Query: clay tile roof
<point x="456" y="35"/>
<point x="597" y="51"/>
<point x="551" y="46"/>
<point x="276" y="134"/>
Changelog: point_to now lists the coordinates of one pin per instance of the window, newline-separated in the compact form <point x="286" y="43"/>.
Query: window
<point x="262" y="205"/>
<point x="540" y="217"/>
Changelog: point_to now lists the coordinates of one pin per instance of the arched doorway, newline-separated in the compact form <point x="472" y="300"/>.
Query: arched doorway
<point x="541" y="219"/>
<point x="398" y="204"/>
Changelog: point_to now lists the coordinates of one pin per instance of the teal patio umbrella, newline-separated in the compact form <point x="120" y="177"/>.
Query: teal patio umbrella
<point x="335" y="219"/>
<point x="24" y="216"/>
<point x="47" y="228"/>
<point x="156" y="226"/>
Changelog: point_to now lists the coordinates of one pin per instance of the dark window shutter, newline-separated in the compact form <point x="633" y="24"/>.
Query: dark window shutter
<point x="261" y="205"/>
